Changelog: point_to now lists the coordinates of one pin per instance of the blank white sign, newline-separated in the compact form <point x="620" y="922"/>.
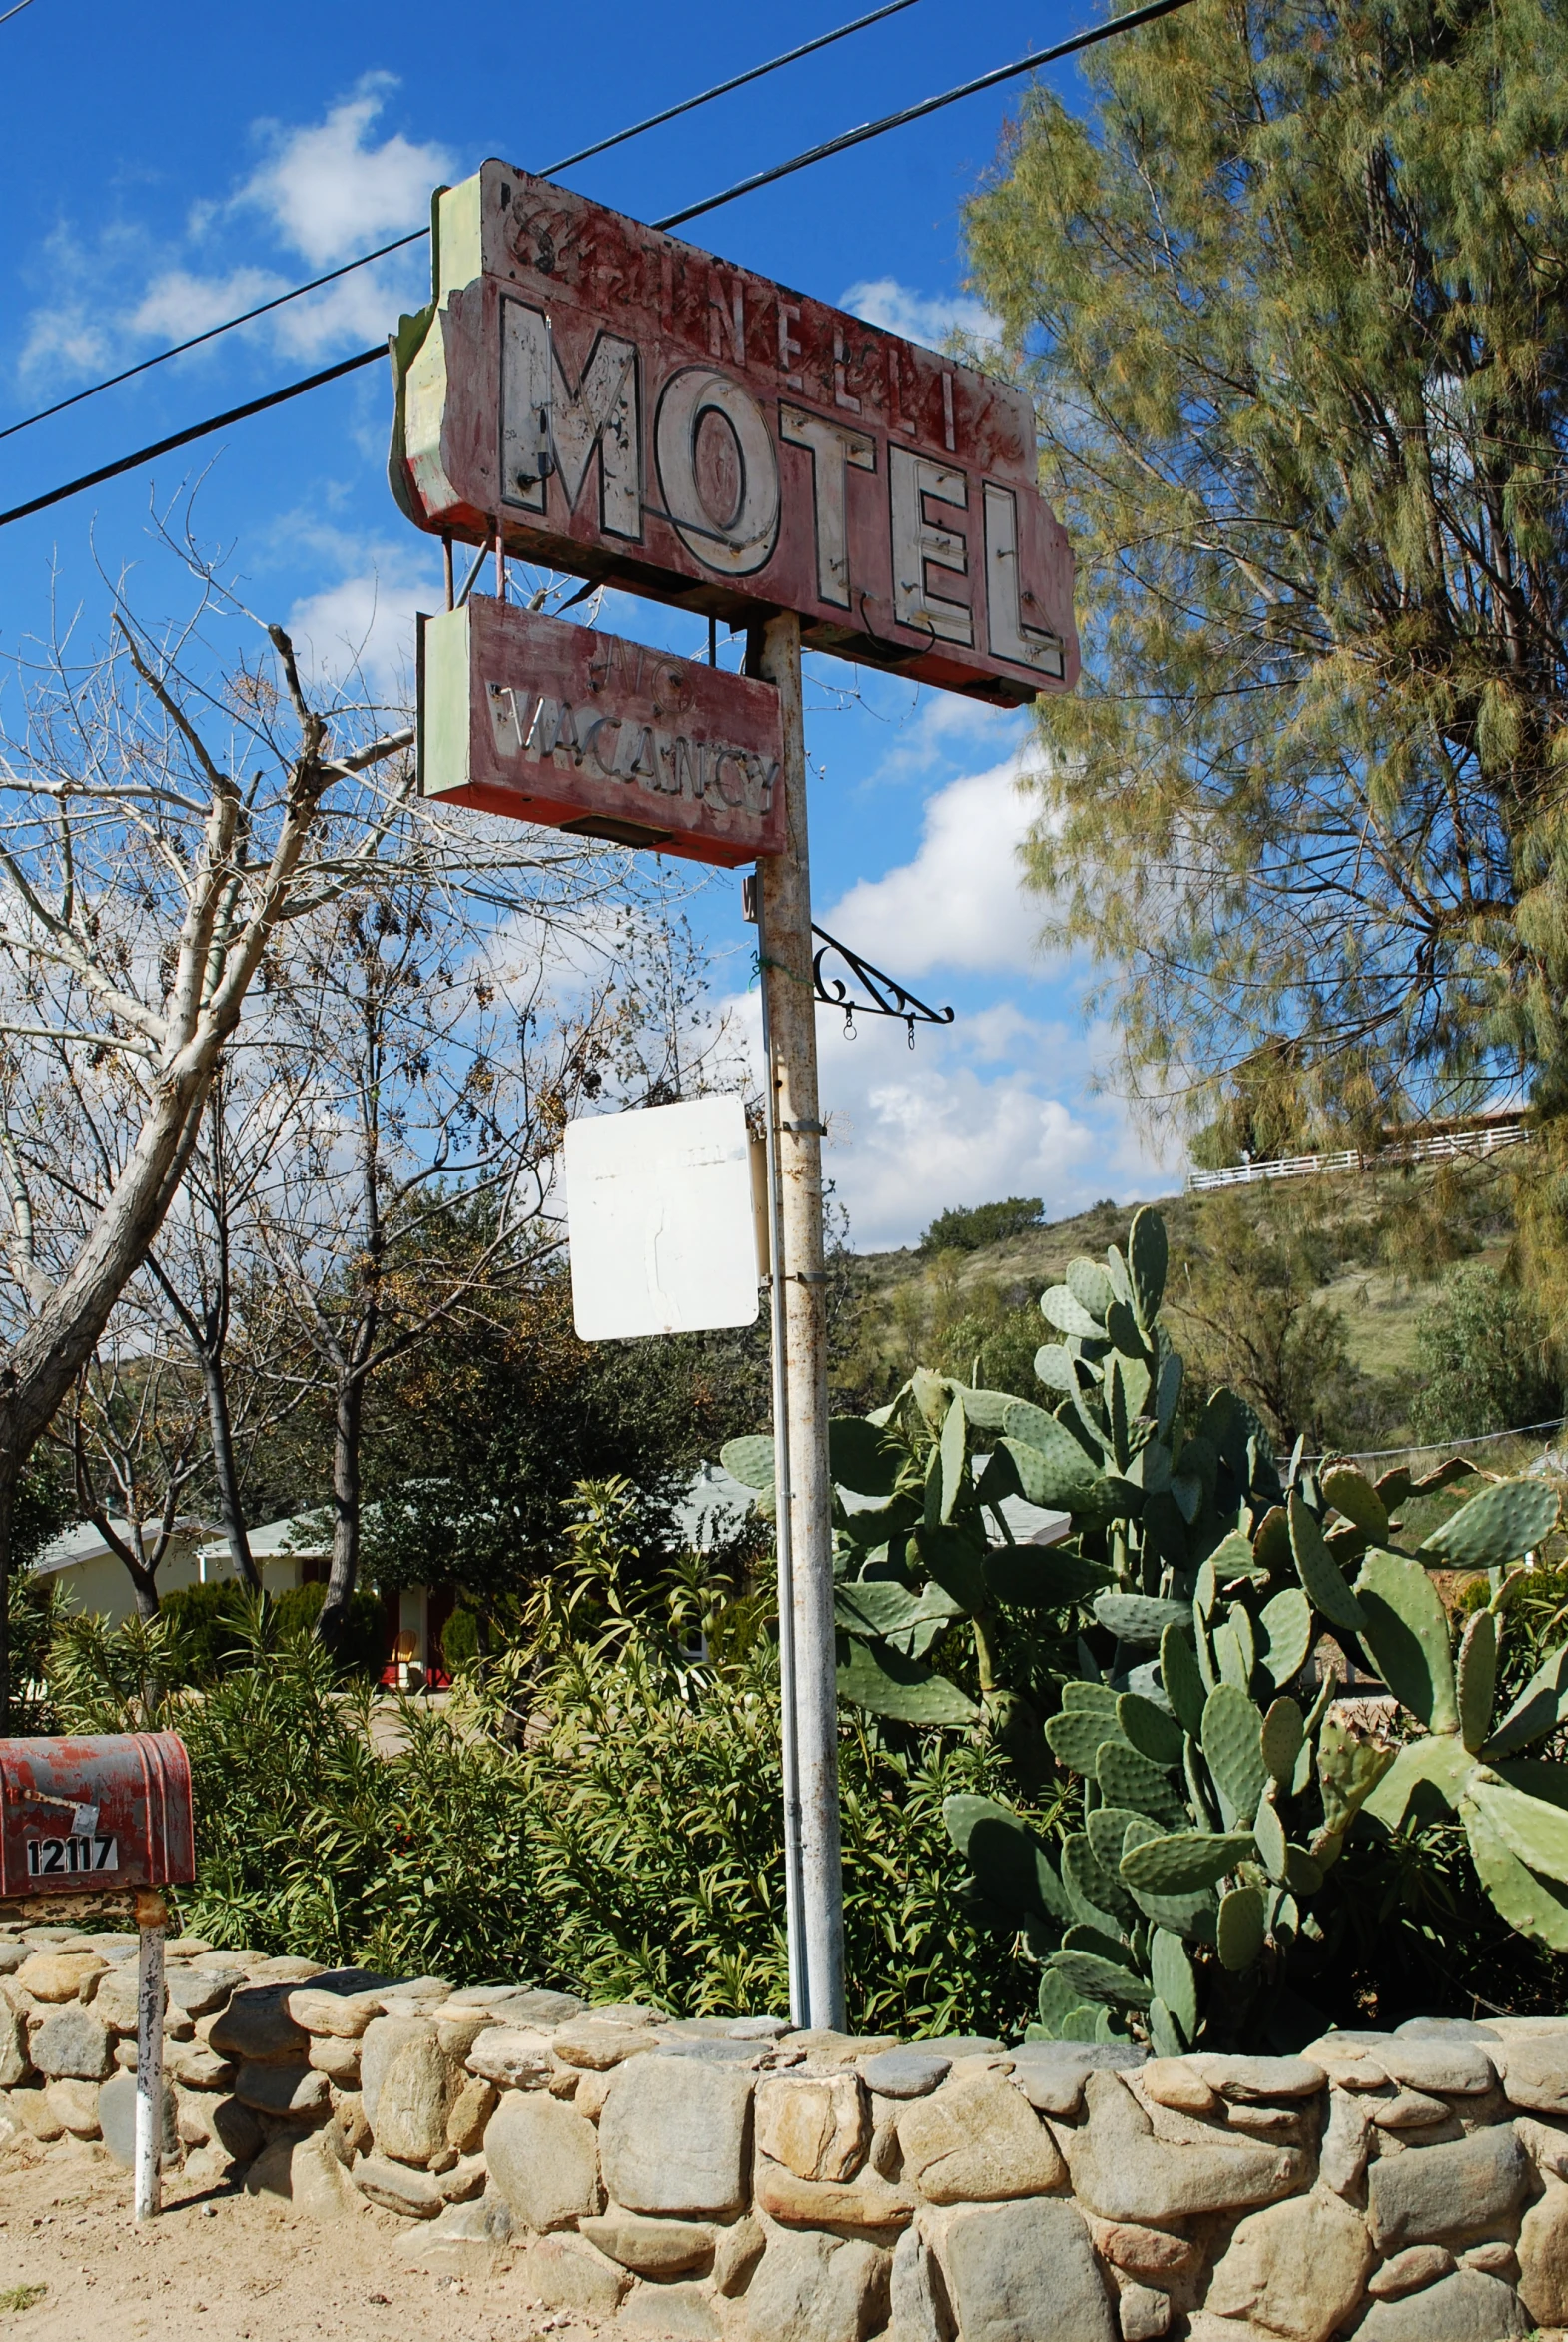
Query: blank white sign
<point x="660" y="1211"/>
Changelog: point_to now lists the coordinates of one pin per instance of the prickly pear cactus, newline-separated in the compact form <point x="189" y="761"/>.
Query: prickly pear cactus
<point x="1217" y="1787"/>
<point x="1220" y="1787"/>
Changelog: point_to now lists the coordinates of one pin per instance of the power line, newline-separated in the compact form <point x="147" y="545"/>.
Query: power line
<point x="416" y="235"/>
<point x="1127" y="22"/>
<point x="212" y="331"/>
<point x="721" y="89"/>
<point x="198" y="430"/>
<point x="16" y="11"/>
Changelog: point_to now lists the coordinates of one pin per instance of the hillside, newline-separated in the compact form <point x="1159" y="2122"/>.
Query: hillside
<point x="1374" y="1248"/>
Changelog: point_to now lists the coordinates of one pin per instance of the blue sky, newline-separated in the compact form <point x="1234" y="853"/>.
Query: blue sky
<point x="163" y="171"/>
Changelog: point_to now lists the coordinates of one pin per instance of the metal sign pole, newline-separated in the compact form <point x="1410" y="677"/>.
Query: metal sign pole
<point x="151" y="1916"/>
<point x="784" y="934"/>
<point x="783" y="1536"/>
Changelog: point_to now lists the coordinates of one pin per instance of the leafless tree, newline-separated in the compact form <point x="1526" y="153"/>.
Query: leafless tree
<point x="168" y="803"/>
<point x="444" y="1051"/>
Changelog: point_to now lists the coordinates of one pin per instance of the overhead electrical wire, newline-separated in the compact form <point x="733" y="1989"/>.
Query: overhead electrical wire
<point x="417" y="235"/>
<point x="212" y="331"/>
<point x="16" y="11"/>
<point x="722" y="88"/>
<point x="1127" y="21"/>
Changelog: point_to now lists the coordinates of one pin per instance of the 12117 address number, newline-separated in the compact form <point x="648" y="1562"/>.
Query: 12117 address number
<point x="63" y="1857"/>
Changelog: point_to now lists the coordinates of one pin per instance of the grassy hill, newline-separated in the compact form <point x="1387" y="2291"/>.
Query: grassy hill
<point x="1352" y="1261"/>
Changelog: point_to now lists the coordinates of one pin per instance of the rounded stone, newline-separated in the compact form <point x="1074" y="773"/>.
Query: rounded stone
<point x="59" y="1975"/>
<point x="72" y="2045"/>
<point x="544" y="2160"/>
<point x="904" y="2074"/>
<point x="673" y="2136"/>
<point x="1466" y="2307"/>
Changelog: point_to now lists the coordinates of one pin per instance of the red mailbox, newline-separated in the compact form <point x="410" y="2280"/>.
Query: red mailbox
<point x="96" y="1814"/>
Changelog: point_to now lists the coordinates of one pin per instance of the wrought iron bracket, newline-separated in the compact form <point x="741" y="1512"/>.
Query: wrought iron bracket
<point x="886" y="997"/>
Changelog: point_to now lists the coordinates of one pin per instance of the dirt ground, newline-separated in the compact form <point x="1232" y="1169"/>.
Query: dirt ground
<point x="222" y="2267"/>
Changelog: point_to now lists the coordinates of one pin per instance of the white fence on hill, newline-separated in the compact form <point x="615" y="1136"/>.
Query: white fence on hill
<point x="1486" y="1140"/>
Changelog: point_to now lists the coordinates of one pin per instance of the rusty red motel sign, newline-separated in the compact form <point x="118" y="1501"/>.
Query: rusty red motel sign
<point x="606" y="399"/>
<point x="578" y="730"/>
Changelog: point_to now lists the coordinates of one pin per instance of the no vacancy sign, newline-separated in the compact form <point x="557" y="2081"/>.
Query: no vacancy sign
<point x="606" y="399"/>
<point x="559" y="724"/>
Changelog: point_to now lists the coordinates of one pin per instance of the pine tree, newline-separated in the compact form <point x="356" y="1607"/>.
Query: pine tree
<point x="1293" y="304"/>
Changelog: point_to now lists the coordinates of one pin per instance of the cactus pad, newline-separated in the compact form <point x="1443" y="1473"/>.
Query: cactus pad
<point x="1009" y="1866"/>
<point x="1170" y="1973"/>
<point x="1095" y="1979"/>
<point x="1285" y="1635"/>
<point x="1540" y="1708"/>
<point x="1475" y="1677"/>
<point x="750" y="1461"/>
<point x="1233" y="1746"/>
<point x="1151" y="1731"/>
<point x="1186" y="1862"/>
<point x="1138" y="1618"/>
<point x="1407" y="1629"/>
<point x="1496" y="1526"/>
<point x="1127" y="1779"/>
<point x="1533" y="1831"/>
<point x="1179" y="1672"/>
<point x="1284" y="1729"/>
<point x="1352" y="1493"/>
<point x="1319" y="1573"/>
<point x="1239" y="1931"/>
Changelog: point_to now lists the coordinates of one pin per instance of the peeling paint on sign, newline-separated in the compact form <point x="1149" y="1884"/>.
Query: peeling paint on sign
<point x="611" y="401"/>
<point x="559" y="724"/>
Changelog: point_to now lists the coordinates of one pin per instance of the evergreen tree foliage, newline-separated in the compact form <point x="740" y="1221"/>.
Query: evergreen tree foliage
<point x="1291" y="302"/>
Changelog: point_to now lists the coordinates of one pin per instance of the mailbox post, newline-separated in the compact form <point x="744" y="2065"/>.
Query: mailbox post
<point x="98" y="1827"/>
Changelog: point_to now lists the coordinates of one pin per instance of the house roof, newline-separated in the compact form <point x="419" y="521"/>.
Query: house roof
<point x="84" y="1542"/>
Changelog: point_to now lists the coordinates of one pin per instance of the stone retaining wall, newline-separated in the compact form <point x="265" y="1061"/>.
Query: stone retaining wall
<point x="731" y="2179"/>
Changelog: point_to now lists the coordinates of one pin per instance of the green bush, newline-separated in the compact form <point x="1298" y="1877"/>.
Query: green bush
<point x="1484" y="1364"/>
<point x="211" y="1629"/>
<point x="209" y="1622"/>
<point x="966" y="1230"/>
<point x="460" y="1639"/>
<point x="364" y="1646"/>
<point x="631" y="1849"/>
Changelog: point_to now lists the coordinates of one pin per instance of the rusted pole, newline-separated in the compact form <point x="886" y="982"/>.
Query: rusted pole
<point x="784" y="934"/>
<point x="783" y="1527"/>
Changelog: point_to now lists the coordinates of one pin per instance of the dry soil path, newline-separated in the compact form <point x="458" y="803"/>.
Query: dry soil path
<point x="221" y="2267"/>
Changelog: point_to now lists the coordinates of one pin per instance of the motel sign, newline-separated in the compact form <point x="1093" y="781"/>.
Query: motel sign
<point x="593" y="395"/>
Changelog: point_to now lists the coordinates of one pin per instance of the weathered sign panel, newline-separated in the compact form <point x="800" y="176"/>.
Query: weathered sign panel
<point x="613" y="401"/>
<point x="661" y="1215"/>
<point x="560" y="724"/>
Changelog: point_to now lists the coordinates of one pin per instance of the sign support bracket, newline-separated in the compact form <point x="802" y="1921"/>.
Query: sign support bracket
<point x="803" y="1486"/>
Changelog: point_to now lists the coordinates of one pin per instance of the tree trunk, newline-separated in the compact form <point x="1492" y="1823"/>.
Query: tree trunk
<point x="144" y="1582"/>
<point x="225" y="1471"/>
<point x="346" y="1510"/>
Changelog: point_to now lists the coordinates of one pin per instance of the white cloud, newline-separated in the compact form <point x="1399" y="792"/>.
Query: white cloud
<point x="911" y="1132"/>
<point x="961" y="902"/>
<point x="177" y="303"/>
<point x="359" y="632"/>
<point x="327" y="191"/>
<point x="898" y="308"/>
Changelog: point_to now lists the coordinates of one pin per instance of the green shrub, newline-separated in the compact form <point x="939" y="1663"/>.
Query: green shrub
<point x="210" y="1624"/>
<point x="364" y="1646"/>
<point x="460" y="1639"/>
<point x="1483" y="1355"/>
<point x="966" y="1230"/>
<point x="634" y="1848"/>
